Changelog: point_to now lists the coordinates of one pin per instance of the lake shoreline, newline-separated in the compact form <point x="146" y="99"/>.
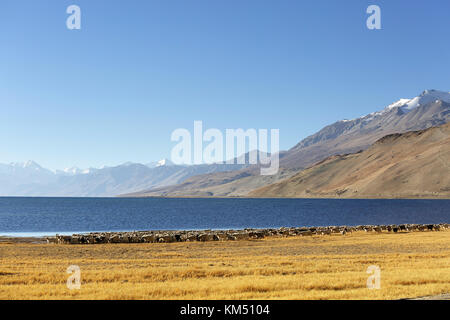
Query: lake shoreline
<point x="168" y="236"/>
<point x="31" y="217"/>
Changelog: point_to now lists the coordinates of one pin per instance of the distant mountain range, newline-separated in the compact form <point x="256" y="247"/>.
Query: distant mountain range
<point x="30" y="179"/>
<point x="429" y="109"/>
<point x="163" y="178"/>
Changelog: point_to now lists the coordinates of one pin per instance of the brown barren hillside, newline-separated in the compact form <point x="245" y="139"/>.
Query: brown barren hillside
<point x="414" y="164"/>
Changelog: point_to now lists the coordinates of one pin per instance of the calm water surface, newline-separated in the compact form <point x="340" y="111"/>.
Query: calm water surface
<point x="46" y="216"/>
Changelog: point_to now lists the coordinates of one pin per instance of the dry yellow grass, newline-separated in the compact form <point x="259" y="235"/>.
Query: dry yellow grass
<point x="319" y="267"/>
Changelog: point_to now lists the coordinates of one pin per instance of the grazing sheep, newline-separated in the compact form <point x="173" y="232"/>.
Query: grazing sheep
<point x="377" y="229"/>
<point x="148" y="238"/>
<point x="232" y="235"/>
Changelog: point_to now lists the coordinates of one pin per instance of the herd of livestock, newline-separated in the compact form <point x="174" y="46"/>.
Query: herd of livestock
<point x="223" y="235"/>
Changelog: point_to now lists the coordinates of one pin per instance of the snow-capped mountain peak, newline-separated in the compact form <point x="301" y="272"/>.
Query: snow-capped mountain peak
<point x="164" y="162"/>
<point x="426" y="97"/>
<point x="406" y="105"/>
<point x="30" y="165"/>
<point x="160" y="163"/>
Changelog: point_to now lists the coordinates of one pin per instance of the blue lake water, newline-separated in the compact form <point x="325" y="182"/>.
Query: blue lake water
<point x="47" y="216"/>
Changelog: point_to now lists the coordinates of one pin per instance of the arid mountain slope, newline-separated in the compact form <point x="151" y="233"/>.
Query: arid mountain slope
<point x="222" y="184"/>
<point x="415" y="164"/>
<point x="350" y="136"/>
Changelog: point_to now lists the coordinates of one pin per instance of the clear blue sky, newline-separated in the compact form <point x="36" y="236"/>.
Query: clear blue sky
<point x="116" y="89"/>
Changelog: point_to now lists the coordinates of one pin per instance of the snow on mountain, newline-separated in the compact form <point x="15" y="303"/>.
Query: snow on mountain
<point x="406" y="105"/>
<point x="14" y="175"/>
<point x="430" y="108"/>
<point x="72" y="171"/>
<point x="31" y="165"/>
<point x="30" y="179"/>
<point x="164" y="162"/>
<point x="24" y="168"/>
<point x="160" y="163"/>
<point x="398" y="103"/>
<point x="93" y="170"/>
<point x="426" y="97"/>
<point x="342" y="137"/>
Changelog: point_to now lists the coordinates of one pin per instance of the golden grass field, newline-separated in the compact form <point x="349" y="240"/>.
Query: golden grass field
<point x="319" y="267"/>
